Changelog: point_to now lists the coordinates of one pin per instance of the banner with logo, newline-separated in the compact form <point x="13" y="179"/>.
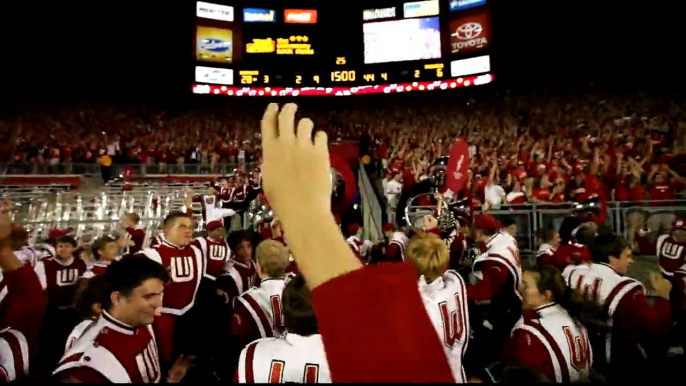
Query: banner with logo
<point x="375" y="14"/>
<point x="214" y="75"/>
<point x="471" y="66"/>
<point x="214" y="44"/>
<point x="214" y="11"/>
<point x="470" y="33"/>
<point x="256" y="15"/>
<point x="300" y="16"/>
<point x="459" y="5"/>
<point x="421" y="9"/>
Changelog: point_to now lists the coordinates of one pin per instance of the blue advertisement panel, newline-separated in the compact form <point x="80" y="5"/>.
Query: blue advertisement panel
<point x="459" y="5"/>
<point x="259" y="15"/>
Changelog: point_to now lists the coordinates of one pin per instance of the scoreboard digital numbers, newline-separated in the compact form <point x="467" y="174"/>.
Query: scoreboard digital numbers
<point x="416" y="46"/>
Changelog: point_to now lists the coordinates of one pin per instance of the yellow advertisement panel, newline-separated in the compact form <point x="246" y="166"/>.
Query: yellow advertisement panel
<point x="214" y="44"/>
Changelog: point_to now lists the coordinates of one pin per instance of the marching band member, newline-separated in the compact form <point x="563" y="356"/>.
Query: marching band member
<point x="299" y="356"/>
<point x="625" y="305"/>
<point x="121" y="346"/>
<point x="551" y="335"/>
<point x="444" y="293"/>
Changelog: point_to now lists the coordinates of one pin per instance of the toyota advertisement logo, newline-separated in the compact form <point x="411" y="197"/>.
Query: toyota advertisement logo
<point x="470" y="33"/>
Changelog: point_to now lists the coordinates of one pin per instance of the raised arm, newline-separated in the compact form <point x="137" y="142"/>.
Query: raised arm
<point x="394" y="339"/>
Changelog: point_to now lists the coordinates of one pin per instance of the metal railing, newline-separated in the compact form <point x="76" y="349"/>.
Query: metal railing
<point x="371" y="208"/>
<point x="623" y="217"/>
<point x="137" y="170"/>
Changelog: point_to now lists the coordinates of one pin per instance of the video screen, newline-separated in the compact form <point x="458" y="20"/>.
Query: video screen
<point x="402" y="40"/>
<point x="214" y="44"/>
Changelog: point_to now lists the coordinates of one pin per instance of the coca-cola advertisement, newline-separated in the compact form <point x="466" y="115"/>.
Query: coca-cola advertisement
<point x="470" y="33"/>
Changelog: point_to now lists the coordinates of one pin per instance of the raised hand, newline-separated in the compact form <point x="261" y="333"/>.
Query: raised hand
<point x="296" y="169"/>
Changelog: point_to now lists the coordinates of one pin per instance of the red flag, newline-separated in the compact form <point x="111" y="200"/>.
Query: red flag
<point x="458" y="166"/>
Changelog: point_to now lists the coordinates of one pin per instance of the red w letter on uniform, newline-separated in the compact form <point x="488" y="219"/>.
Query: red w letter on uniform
<point x="592" y="291"/>
<point x="311" y="373"/>
<point x="276" y="372"/>
<point x="578" y="346"/>
<point x="453" y="329"/>
<point x="278" y="315"/>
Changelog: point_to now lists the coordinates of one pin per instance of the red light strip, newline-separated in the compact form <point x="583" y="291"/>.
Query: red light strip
<point x="343" y="91"/>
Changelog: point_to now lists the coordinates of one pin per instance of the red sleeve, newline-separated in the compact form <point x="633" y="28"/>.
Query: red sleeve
<point x="394" y="340"/>
<point x="26" y="301"/>
<point x="495" y="276"/>
<point x="523" y="347"/>
<point x="235" y="377"/>
<point x="81" y="375"/>
<point x="393" y="254"/>
<point x="244" y="326"/>
<point x="138" y="238"/>
<point x="635" y="317"/>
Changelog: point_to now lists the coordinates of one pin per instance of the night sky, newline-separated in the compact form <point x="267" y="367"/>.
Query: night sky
<point x="110" y="48"/>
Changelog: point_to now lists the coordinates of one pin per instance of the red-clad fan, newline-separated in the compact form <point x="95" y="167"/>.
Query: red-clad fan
<point x="357" y="245"/>
<point x="21" y="313"/>
<point x="575" y="237"/>
<point x="551" y="335"/>
<point x="298" y="357"/>
<point x="186" y="268"/>
<point x="242" y="274"/>
<point x="134" y="236"/>
<point x="625" y="304"/>
<point x="121" y="346"/>
<point x="105" y="251"/>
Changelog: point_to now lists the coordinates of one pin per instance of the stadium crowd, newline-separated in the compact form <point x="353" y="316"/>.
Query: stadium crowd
<point x="300" y="303"/>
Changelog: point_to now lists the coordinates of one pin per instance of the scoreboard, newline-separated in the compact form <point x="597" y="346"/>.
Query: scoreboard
<point x="240" y="49"/>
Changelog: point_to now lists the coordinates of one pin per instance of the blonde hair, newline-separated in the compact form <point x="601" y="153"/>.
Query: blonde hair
<point x="272" y="256"/>
<point x="429" y="255"/>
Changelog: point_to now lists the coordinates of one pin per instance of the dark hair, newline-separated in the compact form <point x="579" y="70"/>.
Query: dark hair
<point x="297" y="308"/>
<point x="584" y="310"/>
<point x="19" y="237"/>
<point x="90" y="292"/>
<point x="66" y="240"/>
<point x="172" y="216"/>
<point x="585" y="235"/>
<point x="507" y="221"/>
<point x="605" y="246"/>
<point x="236" y="238"/>
<point x="99" y="244"/>
<point x="128" y="274"/>
<point x="512" y="372"/>
<point x="567" y="227"/>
